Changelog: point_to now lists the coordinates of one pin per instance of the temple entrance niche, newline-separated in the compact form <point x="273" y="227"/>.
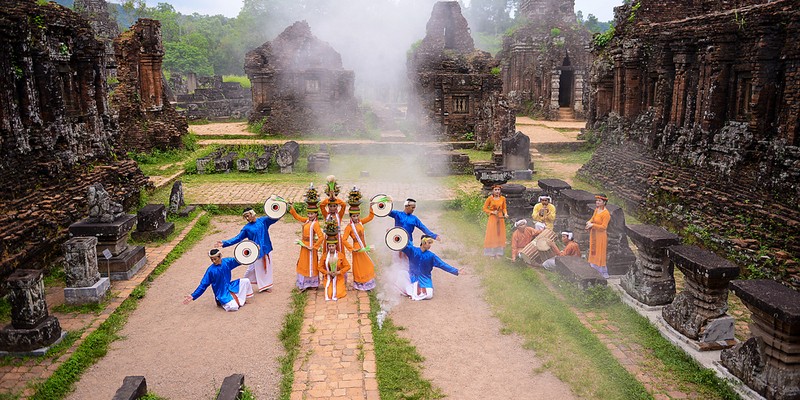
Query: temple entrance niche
<point x="566" y="84"/>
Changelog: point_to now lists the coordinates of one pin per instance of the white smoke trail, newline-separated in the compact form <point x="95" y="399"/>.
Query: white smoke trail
<point x="392" y="282"/>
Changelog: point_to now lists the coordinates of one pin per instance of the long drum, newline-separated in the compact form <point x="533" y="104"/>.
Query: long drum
<point x="538" y="250"/>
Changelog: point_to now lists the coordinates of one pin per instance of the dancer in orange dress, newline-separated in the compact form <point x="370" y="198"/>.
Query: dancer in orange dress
<point x="334" y="264"/>
<point x="598" y="237"/>
<point x="494" y="243"/>
<point x="312" y="240"/>
<point x="333" y="207"/>
<point x="363" y="267"/>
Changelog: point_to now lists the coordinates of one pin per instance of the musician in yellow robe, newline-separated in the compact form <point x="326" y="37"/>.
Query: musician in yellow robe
<point x="355" y="242"/>
<point x="598" y="237"/>
<point x="310" y="243"/>
<point x="544" y="211"/>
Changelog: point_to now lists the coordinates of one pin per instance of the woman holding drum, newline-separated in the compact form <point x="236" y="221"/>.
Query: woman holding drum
<point x="494" y="242"/>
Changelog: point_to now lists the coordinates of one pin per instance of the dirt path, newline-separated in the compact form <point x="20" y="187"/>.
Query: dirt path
<point x="221" y="128"/>
<point x="466" y="355"/>
<point x="185" y="351"/>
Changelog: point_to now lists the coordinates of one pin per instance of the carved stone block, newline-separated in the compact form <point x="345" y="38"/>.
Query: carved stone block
<point x="651" y="280"/>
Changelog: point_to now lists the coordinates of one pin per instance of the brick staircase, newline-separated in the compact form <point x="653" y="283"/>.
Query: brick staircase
<point x="565" y="114"/>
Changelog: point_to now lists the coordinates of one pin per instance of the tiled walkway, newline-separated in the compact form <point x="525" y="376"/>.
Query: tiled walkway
<point x="17" y="378"/>
<point x="337" y="357"/>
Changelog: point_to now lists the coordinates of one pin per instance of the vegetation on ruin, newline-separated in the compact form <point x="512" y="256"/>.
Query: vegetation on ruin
<point x="290" y="338"/>
<point x="241" y="79"/>
<point x="96" y="344"/>
<point x="399" y="365"/>
<point x="601" y="40"/>
<point x="5" y="310"/>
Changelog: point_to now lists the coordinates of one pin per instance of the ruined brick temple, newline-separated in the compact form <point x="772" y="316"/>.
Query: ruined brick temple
<point x="147" y="120"/>
<point x="698" y="108"/>
<point x="458" y="93"/>
<point x="57" y="134"/>
<point x="299" y="86"/>
<point x="545" y="62"/>
<point x="104" y="26"/>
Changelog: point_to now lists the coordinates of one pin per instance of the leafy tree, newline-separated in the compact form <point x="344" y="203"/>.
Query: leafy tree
<point x="183" y="57"/>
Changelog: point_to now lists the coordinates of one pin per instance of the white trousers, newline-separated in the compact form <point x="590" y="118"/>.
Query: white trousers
<point x="411" y="291"/>
<point x="239" y="298"/>
<point x="260" y="272"/>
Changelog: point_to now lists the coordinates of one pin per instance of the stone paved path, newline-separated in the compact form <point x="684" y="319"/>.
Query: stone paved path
<point x="17" y="378"/>
<point x="337" y="357"/>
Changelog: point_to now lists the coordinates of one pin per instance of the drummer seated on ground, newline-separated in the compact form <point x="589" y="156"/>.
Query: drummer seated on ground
<point x="571" y="248"/>
<point x="523" y="234"/>
<point x="230" y="295"/>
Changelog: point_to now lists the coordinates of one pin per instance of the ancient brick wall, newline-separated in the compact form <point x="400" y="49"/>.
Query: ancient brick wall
<point x="300" y="87"/>
<point x="715" y="97"/>
<point x="457" y="89"/>
<point x="56" y="132"/>
<point x="147" y="120"/>
<point x="105" y="26"/>
<point x="545" y="62"/>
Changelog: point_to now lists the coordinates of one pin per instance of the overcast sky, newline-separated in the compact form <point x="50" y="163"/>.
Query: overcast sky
<point x="602" y="9"/>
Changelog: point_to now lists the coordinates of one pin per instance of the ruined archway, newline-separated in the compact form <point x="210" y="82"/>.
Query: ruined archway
<point x="566" y="84"/>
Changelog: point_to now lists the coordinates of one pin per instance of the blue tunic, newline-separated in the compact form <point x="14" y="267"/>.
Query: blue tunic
<point x="409" y="222"/>
<point x="258" y="232"/>
<point x="219" y="277"/>
<point x="421" y="263"/>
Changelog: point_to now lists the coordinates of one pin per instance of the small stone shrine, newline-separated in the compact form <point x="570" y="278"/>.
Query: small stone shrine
<point x="699" y="312"/>
<point x="101" y="207"/>
<point x="151" y="223"/>
<point x="518" y="204"/>
<point x="769" y="361"/>
<point x="287" y="156"/>
<point x="84" y="284"/>
<point x="32" y="329"/>
<point x="177" y="205"/>
<point x="553" y="188"/>
<point x="651" y="280"/>
<point x="112" y="236"/>
<point x="517" y="155"/>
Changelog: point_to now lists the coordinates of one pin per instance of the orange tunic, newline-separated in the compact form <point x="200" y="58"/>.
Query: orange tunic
<point x="520" y="238"/>
<point x="335" y="286"/>
<point x="323" y="208"/>
<point x="363" y="267"/>
<point x="598" y="238"/>
<point x="496" y="227"/>
<point x="572" y="249"/>
<point x="307" y="264"/>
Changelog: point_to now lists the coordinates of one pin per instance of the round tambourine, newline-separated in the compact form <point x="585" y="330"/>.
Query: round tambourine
<point x="275" y="208"/>
<point x="381" y="205"/>
<point x="246" y="252"/>
<point x="397" y="238"/>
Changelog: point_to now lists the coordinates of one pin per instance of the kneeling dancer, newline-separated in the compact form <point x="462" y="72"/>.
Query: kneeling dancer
<point x="229" y="295"/>
<point x="257" y="230"/>
<point x="420" y="268"/>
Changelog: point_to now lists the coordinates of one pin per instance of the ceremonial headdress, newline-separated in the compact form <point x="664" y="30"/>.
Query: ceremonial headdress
<point x="354" y="201"/>
<point x="601" y="196"/>
<point x="332" y="188"/>
<point x="331" y="230"/>
<point x="568" y="234"/>
<point x="214" y="252"/>
<point x="248" y="210"/>
<point x="544" y="196"/>
<point x="409" y="201"/>
<point x="520" y="223"/>
<point x="426" y="238"/>
<point x="312" y="199"/>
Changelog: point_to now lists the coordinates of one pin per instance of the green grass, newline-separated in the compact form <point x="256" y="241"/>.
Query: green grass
<point x="94" y="308"/>
<point x="96" y="345"/>
<point x="477" y="155"/>
<point x="163" y="163"/>
<point x="398" y="363"/>
<point x="290" y="337"/>
<point x="573" y="157"/>
<point x="5" y="310"/>
<point x="243" y="80"/>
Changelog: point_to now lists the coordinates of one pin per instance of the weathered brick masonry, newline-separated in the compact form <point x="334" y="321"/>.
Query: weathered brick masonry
<point x="56" y="132"/>
<point x="698" y="108"/>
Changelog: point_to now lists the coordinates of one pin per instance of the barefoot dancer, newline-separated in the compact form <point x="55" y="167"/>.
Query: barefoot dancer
<point x="312" y="240"/>
<point x="230" y="295"/>
<point x="363" y="267"/>
<point x="335" y="265"/>
<point x="257" y="230"/>
<point x="421" y="263"/>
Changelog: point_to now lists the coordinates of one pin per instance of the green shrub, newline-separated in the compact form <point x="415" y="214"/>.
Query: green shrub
<point x="243" y="80"/>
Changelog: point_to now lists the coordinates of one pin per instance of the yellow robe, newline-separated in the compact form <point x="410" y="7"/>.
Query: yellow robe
<point x="496" y="227"/>
<point x="363" y="267"/>
<point x="598" y="237"/>
<point x="549" y="216"/>
<point x="335" y="286"/>
<point x="307" y="263"/>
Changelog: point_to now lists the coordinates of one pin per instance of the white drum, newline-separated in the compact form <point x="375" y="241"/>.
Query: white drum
<point x="397" y="238"/>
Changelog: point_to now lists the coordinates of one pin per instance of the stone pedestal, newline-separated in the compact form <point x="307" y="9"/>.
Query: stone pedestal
<point x="651" y="280"/>
<point x="261" y="164"/>
<point x="126" y="260"/>
<point x="576" y="203"/>
<point x="176" y="200"/>
<point x="516" y="150"/>
<point x="133" y="387"/>
<point x="620" y="257"/>
<point x="32" y="328"/>
<point x="84" y="284"/>
<point x="699" y="312"/>
<point x="578" y="270"/>
<point x="202" y="164"/>
<point x="518" y="204"/>
<point x="152" y="223"/>
<point x="489" y="177"/>
<point x="243" y="165"/>
<point x="769" y="361"/>
<point x="553" y="188"/>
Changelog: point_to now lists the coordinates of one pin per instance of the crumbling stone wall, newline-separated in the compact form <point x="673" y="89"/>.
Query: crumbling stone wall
<point x="105" y="27"/>
<point x="56" y="132"/>
<point x="147" y="120"/>
<point x="459" y="93"/>
<point x="710" y="94"/>
<point x="215" y="99"/>
<point x="545" y="63"/>
<point x="300" y="87"/>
